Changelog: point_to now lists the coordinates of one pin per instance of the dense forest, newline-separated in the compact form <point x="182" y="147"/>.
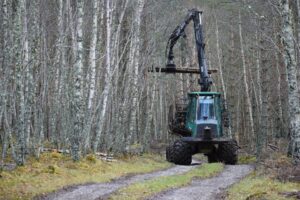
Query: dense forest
<point x="74" y="74"/>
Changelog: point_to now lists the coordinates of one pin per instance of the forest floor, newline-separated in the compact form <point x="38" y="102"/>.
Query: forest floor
<point x="198" y="181"/>
<point x="54" y="171"/>
<point x="55" y="176"/>
<point x="275" y="177"/>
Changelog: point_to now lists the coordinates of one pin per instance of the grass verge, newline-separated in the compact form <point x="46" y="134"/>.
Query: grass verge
<point x="254" y="187"/>
<point x="272" y="179"/>
<point x="54" y="170"/>
<point x="151" y="187"/>
<point x="246" y="159"/>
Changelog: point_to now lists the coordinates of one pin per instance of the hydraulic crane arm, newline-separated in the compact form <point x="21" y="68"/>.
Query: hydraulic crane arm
<point x="195" y="15"/>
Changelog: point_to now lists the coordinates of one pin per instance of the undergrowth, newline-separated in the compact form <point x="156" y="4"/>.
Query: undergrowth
<point x="246" y="159"/>
<point x="254" y="188"/>
<point x="272" y="180"/>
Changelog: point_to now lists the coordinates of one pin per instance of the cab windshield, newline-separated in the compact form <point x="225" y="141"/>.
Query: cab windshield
<point x="205" y="108"/>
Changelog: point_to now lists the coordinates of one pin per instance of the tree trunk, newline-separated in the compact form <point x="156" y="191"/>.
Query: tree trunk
<point x="92" y="77"/>
<point x="298" y="25"/>
<point x="248" y="101"/>
<point x="135" y="56"/>
<point x="258" y="57"/>
<point x="108" y="75"/>
<point x="263" y="121"/>
<point x="290" y="63"/>
<point x="228" y="130"/>
<point x="77" y="104"/>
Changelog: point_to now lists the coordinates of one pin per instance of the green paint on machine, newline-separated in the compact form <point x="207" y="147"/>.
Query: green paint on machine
<point x="200" y="122"/>
<point x="204" y="107"/>
<point x="203" y="119"/>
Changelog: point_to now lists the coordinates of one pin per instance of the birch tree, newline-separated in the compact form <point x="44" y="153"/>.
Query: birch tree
<point x="264" y="87"/>
<point x="135" y="62"/>
<point x="21" y="25"/>
<point x="74" y="73"/>
<point x="224" y="90"/>
<point x="77" y="104"/>
<point x="107" y="76"/>
<point x="248" y="101"/>
<point x="92" y="76"/>
<point x="290" y="64"/>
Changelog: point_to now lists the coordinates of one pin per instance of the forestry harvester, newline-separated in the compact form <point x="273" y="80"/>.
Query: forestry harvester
<point x="200" y="122"/>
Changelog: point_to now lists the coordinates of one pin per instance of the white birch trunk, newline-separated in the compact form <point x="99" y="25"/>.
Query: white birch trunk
<point x="135" y="56"/>
<point x="248" y="101"/>
<point x="59" y="68"/>
<point x="220" y="61"/>
<point x="61" y="48"/>
<point x="92" y="76"/>
<point x="298" y="20"/>
<point x="77" y="105"/>
<point x="20" y="115"/>
<point x="278" y="87"/>
<point x="258" y="55"/>
<point x="3" y="86"/>
<point x="92" y="56"/>
<point x="221" y="76"/>
<point x="290" y="63"/>
<point x="28" y="75"/>
<point x="108" y="74"/>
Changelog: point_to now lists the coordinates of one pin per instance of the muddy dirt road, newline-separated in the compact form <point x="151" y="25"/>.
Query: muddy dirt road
<point x="207" y="189"/>
<point x="100" y="190"/>
<point x="198" y="189"/>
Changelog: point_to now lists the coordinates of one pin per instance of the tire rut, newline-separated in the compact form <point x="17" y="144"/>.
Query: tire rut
<point x="207" y="189"/>
<point x="101" y="190"/>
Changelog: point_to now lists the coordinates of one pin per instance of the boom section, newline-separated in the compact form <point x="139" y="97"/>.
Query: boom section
<point x="195" y="15"/>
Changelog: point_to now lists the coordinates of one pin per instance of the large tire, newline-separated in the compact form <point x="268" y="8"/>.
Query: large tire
<point x="212" y="157"/>
<point x="168" y="154"/>
<point x="228" y="152"/>
<point x="171" y="117"/>
<point x="180" y="153"/>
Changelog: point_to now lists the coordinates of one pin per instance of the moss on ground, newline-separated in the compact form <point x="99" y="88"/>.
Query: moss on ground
<point x="151" y="187"/>
<point x="200" y="156"/>
<point x="246" y="159"/>
<point x="53" y="171"/>
<point x="254" y="187"/>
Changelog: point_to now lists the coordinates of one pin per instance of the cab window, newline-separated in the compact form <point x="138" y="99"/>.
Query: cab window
<point x="205" y="108"/>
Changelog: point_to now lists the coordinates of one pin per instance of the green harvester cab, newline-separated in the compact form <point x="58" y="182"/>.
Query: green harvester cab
<point x="204" y="115"/>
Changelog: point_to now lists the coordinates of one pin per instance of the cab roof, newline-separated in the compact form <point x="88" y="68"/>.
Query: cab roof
<point x="204" y="93"/>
